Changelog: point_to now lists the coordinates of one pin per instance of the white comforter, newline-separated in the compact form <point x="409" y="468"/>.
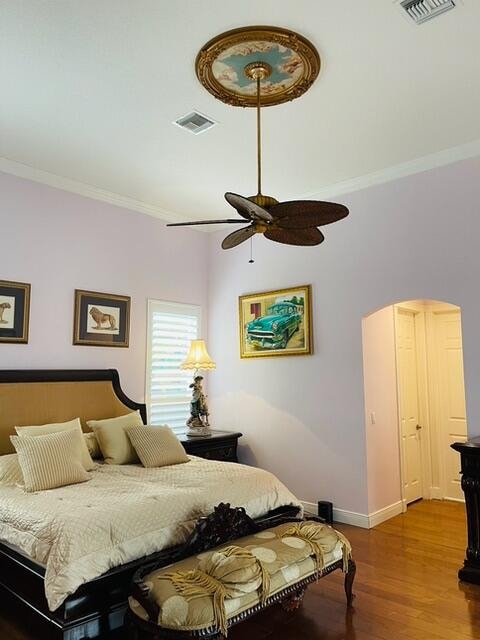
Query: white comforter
<point x="124" y="513"/>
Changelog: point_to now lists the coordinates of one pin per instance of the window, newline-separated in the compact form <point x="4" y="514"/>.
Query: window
<point x="171" y="327"/>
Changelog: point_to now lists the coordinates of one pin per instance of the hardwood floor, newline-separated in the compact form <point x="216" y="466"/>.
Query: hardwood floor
<point x="406" y="587"/>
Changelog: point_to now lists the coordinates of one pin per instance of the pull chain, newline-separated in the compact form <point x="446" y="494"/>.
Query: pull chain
<point x="251" y="261"/>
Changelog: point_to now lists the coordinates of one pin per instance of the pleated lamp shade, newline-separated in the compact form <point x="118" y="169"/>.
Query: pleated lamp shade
<point x="198" y="357"/>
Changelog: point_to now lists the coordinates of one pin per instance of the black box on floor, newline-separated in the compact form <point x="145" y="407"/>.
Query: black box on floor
<point x="325" y="511"/>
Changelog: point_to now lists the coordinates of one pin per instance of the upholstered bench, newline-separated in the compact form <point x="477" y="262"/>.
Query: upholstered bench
<point x="203" y="595"/>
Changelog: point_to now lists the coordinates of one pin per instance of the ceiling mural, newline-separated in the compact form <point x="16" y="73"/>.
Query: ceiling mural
<point x="229" y="68"/>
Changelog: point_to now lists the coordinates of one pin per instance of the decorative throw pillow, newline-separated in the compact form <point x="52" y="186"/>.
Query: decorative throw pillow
<point x="56" y="427"/>
<point x="92" y="445"/>
<point x="50" y="461"/>
<point x="10" y="470"/>
<point x="157" y="446"/>
<point x="112" y="438"/>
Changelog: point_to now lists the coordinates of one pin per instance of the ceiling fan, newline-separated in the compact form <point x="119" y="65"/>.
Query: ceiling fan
<point x="293" y="222"/>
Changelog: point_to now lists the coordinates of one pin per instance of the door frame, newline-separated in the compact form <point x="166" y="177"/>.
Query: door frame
<point x="423" y="390"/>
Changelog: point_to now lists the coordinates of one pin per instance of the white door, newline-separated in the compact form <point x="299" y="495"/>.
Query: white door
<point x="410" y="430"/>
<point x="451" y="411"/>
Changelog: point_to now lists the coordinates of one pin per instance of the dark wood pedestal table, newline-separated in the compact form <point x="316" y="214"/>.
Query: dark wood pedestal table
<point x="470" y="461"/>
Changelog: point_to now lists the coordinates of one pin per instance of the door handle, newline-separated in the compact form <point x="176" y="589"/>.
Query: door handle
<point x="418" y="427"/>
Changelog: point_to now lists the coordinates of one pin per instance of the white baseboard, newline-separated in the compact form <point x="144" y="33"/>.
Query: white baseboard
<point x="341" y="515"/>
<point x="377" y="517"/>
<point x="351" y="517"/>
<point x="360" y="519"/>
<point x="436" y="493"/>
<point x="311" y="507"/>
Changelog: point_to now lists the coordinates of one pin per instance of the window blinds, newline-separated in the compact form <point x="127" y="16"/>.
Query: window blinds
<point x="171" y="328"/>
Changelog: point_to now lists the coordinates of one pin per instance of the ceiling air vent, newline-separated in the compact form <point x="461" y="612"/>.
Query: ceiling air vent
<point x="422" y="10"/>
<point x="195" y="122"/>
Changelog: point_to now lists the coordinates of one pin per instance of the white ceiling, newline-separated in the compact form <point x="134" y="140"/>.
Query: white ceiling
<point x="89" y="90"/>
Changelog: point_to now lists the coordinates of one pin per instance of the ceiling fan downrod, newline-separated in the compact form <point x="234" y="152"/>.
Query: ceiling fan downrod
<point x="259" y="71"/>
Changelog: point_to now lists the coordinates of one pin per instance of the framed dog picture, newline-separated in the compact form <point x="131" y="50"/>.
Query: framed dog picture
<point x="101" y="319"/>
<point x="276" y="323"/>
<point x="14" y="311"/>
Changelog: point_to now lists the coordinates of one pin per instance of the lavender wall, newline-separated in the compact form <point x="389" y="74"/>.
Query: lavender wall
<point x="303" y="417"/>
<point x="58" y="242"/>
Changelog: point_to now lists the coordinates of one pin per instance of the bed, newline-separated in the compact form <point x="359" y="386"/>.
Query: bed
<point x="67" y="555"/>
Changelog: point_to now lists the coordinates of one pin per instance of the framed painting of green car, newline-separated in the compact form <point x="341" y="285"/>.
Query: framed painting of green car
<point x="276" y="323"/>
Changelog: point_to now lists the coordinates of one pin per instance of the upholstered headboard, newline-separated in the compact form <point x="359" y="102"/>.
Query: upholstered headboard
<point x="41" y="396"/>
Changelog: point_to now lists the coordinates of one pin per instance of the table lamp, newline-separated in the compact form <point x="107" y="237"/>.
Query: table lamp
<point x="197" y="360"/>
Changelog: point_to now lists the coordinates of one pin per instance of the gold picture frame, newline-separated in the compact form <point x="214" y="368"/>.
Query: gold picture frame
<point x="101" y="319"/>
<point x="276" y="323"/>
<point x="14" y="311"/>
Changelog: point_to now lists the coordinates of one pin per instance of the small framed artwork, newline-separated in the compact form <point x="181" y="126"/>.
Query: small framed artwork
<point x="14" y="311"/>
<point x="276" y="323"/>
<point x="101" y="319"/>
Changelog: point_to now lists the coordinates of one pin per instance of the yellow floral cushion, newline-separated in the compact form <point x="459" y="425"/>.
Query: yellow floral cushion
<point x="92" y="445"/>
<point x="187" y="591"/>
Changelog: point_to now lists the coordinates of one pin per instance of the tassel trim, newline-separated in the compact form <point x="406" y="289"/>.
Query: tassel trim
<point x="197" y="583"/>
<point x="308" y="532"/>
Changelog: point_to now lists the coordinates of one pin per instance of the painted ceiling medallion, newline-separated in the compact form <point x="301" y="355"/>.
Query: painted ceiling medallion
<point x="222" y="64"/>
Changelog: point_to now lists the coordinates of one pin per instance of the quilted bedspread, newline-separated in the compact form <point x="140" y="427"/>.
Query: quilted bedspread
<point x="124" y="513"/>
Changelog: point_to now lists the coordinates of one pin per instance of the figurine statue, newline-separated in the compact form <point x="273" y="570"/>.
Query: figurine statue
<point x="198" y="422"/>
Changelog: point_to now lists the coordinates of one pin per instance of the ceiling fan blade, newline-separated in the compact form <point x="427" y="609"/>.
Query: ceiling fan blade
<point x="246" y="208"/>
<point x="190" y="224"/>
<point x="237" y="237"/>
<point x="299" y="237"/>
<point x="299" y="214"/>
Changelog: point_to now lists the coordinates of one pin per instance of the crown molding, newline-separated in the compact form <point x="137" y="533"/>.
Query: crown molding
<point x="419" y="165"/>
<point x="80" y="188"/>
<point x="395" y="172"/>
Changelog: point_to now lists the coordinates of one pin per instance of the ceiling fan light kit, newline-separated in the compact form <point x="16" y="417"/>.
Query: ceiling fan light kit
<point x="255" y="67"/>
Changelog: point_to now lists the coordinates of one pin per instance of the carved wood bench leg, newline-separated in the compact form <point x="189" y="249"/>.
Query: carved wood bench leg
<point x="349" y="578"/>
<point x="294" y="600"/>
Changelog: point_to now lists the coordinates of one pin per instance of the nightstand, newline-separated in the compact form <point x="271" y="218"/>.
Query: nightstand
<point x="221" y="445"/>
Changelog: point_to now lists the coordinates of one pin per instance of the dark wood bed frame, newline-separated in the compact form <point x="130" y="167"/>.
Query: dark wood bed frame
<point x="97" y="609"/>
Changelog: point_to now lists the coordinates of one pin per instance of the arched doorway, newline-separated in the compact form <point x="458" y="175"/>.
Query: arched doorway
<point x="414" y="403"/>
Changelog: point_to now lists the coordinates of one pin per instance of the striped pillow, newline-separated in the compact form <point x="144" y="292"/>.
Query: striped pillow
<point x="50" y="461"/>
<point x="157" y="446"/>
<point x="42" y="430"/>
